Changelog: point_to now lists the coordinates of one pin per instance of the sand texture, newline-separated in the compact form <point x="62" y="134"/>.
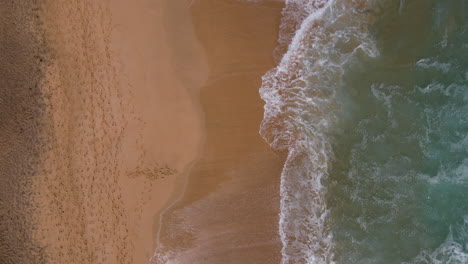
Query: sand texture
<point x="21" y="124"/>
<point x="117" y="118"/>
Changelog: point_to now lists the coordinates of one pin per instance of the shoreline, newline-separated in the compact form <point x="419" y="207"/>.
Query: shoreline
<point x="183" y="179"/>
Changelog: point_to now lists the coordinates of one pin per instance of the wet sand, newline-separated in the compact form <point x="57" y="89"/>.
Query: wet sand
<point x="229" y="211"/>
<point x="165" y="98"/>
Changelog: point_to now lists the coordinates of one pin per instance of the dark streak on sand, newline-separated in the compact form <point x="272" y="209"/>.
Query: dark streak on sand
<point x="21" y="111"/>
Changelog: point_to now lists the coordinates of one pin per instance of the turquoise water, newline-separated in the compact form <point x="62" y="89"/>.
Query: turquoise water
<point x="398" y="185"/>
<point x="370" y="103"/>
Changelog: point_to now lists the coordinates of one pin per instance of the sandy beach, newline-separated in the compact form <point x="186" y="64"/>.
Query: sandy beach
<point x="136" y="131"/>
<point x="146" y="142"/>
<point x="124" y="127"/>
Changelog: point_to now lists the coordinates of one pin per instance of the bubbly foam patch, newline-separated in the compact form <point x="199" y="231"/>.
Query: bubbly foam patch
<point x="454" y="250"/>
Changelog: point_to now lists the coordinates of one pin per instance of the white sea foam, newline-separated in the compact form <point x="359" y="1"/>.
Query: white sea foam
<point x="301" y="105"/>
<point x="454" y="250"/>
<point x="430" y="63"/>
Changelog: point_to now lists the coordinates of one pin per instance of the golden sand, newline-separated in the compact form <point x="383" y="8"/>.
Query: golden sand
<point x="124" y="126"/>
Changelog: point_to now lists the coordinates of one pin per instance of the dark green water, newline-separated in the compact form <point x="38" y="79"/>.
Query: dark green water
<point x="397" y="187"/>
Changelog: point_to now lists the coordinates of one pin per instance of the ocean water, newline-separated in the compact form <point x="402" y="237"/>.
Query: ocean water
<point x="369" y="103"/>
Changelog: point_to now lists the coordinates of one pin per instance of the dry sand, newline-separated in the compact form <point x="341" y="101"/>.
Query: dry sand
<point x="124" y="125"/>
<point x="229" y="211"/>
<point x="21" y="123"/>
